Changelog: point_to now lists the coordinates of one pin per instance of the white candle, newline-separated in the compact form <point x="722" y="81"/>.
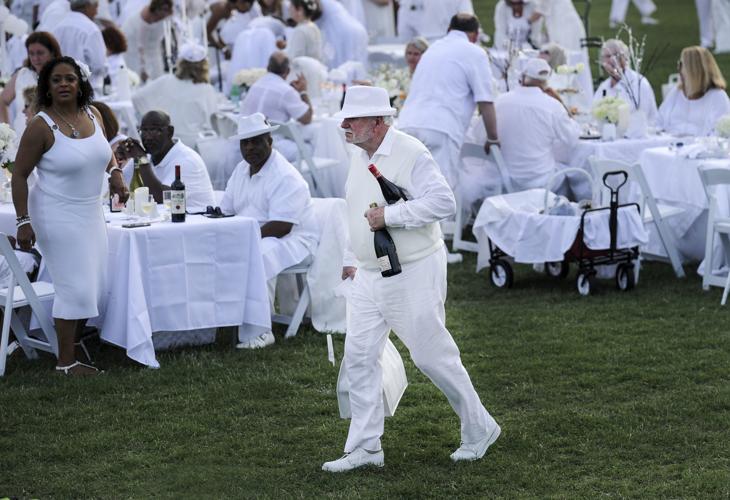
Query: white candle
<point x="183" y="12"/>
<point x="168" y="36"/>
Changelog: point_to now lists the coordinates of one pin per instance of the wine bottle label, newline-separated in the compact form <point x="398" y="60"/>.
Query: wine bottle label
<point x="384" y="263"/>
<point x="177" y="202"/>
<point x="115" y="205"/>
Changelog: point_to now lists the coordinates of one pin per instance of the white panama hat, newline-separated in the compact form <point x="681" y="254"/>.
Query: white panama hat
<point x="364" y="101"/>
<point x="253" y="125"/>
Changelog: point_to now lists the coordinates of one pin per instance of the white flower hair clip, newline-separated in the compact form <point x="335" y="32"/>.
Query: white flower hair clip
<point x="85" y="71"/>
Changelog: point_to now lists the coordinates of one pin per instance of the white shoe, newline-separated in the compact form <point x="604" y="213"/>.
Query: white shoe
<point x="263" y="340"/>
<point x="475" y="451"/>
<point x="354" y="460"/>
<point x="649" y="20"/>
<point x="454" y="258"/>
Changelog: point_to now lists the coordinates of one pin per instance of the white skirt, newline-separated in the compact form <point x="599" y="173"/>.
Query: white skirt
<point x="73" y="242"/>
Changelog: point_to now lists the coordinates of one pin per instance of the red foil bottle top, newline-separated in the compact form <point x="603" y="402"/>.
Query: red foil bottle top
<point x="374" y="170"/>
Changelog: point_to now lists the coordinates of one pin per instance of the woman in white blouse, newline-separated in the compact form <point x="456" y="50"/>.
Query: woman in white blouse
<point x="695" y="105"/>
<point x="515" y="24"/>
<point x="305" y="39"/>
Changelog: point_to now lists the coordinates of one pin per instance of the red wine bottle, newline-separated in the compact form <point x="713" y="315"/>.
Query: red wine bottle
<point x="385" y="251"/>
<point x="177" y="205"/>
<point x="391" y="191"/>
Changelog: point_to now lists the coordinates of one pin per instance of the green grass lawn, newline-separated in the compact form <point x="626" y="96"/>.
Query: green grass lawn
<point x="613" y="395"/>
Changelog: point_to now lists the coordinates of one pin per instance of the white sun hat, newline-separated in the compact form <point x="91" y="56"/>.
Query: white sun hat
<point x="537" y="69"/>
<point x="362" y="101"/>
<point x="192" y="52"/>
<point x="253" y="125"/>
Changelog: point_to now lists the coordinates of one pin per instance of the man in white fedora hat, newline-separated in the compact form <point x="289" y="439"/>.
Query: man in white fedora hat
<point x="411" y="303"/>
<point x="268" y="188"/>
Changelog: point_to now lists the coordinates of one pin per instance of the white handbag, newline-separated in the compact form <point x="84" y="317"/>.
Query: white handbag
<point x="394" y="382"/>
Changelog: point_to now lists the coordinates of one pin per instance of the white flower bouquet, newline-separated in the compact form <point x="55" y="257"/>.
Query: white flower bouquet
<point x="7" y="145"/>
<point x="247" y="77"/>
<point x="395" y="80"/>
<point x="610" y="109"/>
<point x="564" y="69"/>
<point x="722" y="127"/>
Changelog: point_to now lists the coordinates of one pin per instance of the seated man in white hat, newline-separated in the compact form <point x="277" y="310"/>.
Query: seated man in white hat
<point x="187" y="96"/>
<point x="266" y="187"/>
<point x="158" y="169"/>
<point x="411" y="303"/>
<point x="536" y="131"/>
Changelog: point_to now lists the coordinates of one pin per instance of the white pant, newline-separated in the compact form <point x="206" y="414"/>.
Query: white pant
<point x="721" y="21"/>
<point x="704" y="13"/>
<point x="444" y="149"/>
<point x="620" y="7"/>
<point x="412" y="305"/>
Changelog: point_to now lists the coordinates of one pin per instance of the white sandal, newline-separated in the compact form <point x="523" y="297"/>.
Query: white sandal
<point x="68" y="368"/>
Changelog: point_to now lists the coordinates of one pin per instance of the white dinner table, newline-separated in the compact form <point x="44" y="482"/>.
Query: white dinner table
<point x="177" y="277"/>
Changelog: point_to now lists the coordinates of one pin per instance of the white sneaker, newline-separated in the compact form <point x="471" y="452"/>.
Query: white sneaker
<point x="454" y="258"/>
<point x="475" y="451"/>
<point x="354" y="460"/>
<point x="649" y="20"/>
<point x="263" y="340"/>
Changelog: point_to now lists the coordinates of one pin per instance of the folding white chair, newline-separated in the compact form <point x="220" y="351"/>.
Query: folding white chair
<point x="672" y="82"/>
<point x="713" y="179"/>
<point x="652" y="212"/>
<point x="212" y="149"/>
<point x="464" y="214"/>
<point x="14" y="297"/>
<point x="309" y="166"/>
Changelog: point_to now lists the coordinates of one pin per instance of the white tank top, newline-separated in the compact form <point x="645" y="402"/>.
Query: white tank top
<point x="73" y="169"/>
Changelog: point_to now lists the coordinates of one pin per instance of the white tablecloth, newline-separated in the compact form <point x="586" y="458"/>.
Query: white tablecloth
<point x="514" y="223"/>
<point x="625" y="150"/>
<point x="674" y="180"/>
<point x="203" y="273"/>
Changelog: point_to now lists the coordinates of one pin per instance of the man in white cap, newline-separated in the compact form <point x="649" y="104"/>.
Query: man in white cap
<point x="79" y="37"/>
<point x="187" y="96"/>
<point x="532" y="126"/>
<point x="412" y="302"/>
<point x="268" y="188"/>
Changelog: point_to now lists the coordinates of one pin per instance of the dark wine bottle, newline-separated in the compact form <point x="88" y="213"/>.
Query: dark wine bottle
<point x="385" y="251"/>
<point x="177" y="205"/>
<point x="392" y="192"/>
<point x="136" y="181"/>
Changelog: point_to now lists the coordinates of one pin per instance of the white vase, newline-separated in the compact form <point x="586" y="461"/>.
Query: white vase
<point x="608" y="132"/>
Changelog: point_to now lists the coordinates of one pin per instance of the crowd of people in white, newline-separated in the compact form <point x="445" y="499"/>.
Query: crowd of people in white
<point x="168" y="62"/>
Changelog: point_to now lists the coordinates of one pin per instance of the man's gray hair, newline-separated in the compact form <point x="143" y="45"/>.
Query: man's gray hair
<point x="80" y="4"/>
<point x="616" y="47"/>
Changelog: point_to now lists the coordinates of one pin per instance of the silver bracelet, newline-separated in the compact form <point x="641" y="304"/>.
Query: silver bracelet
<point x="22" y="223"/>
<point x="111" y="170"/>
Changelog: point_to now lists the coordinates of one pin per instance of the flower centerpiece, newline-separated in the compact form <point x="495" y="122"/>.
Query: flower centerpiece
<point x="395" y="80"/>
<point x="576" y="69"/>
<point x="243" y="80"/>
<point x="613" y="111"/>
<point x="7" y="146"/>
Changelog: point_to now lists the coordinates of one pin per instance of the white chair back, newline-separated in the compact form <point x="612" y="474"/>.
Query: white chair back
<point x="212" y="150"/>
<point x="252" y="49"/>
<point x="717" y="222"/>
<point x="314" y="71"/>
<point x="672" y="82"/>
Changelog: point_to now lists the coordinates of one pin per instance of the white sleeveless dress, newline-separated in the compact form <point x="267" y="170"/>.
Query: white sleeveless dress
<point x="69" y="222"/>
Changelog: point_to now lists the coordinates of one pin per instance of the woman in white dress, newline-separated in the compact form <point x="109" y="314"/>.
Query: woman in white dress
<point x="66" y="143"/>
<point x="379" y="19"/>
<point x="515" y="24"/>
<point x="563" y="24"/>
<point x="305" y="39"/>
<point x="343" y="37"/>
<point x="694" y="106"/>
<point x="41" y="47"/>
<point x="144" y="32"/>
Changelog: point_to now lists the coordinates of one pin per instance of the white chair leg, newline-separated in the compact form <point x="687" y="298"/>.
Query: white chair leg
<point x="670" y="247"/>
<point x="296" y="319"/>
<point x="725" y="290"/>
<point x="637" y="268"/>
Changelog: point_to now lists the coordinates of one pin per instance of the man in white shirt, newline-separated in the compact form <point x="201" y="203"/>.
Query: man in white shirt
<point x="620" y="7"/>
<point x="80" y="38"/>
<point x="165" y="153"/>
<point x="451" y="79"/>
<point x="411" y="303"/>
<point x="624" y="82"/>
<point x="428" y="18"/>
<point x="278" y="100"/>
<point x="533" y="126"/>
<point x="266" y="187"/>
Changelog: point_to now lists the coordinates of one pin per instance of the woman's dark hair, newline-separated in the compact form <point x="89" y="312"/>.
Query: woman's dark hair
<point x="311" y="8"/>
<point x="108" y="119"/>
<point x="114" y="39"/>
<point x="43" y="95"/>
<point x="158" y="5"/>
<point x="47" y="40"/>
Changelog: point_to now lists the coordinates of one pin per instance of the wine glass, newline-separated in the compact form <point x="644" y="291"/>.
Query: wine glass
<point x="167" y="201"/>
<point x="148" y="204"/>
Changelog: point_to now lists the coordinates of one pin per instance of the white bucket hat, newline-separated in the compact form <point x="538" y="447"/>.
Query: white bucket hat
<point x="192" y="52"/>
<point x="537" y="69"/>
<point x="253" y="125"/>
<point x="363" y="101"/>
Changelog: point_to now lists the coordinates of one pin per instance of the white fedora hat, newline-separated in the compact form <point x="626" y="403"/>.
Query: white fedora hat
<point x="253" y="125"/>
<point x="362" y="101"/>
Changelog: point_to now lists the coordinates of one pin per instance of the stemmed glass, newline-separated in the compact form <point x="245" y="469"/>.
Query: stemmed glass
<point x="148" y="204"/>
